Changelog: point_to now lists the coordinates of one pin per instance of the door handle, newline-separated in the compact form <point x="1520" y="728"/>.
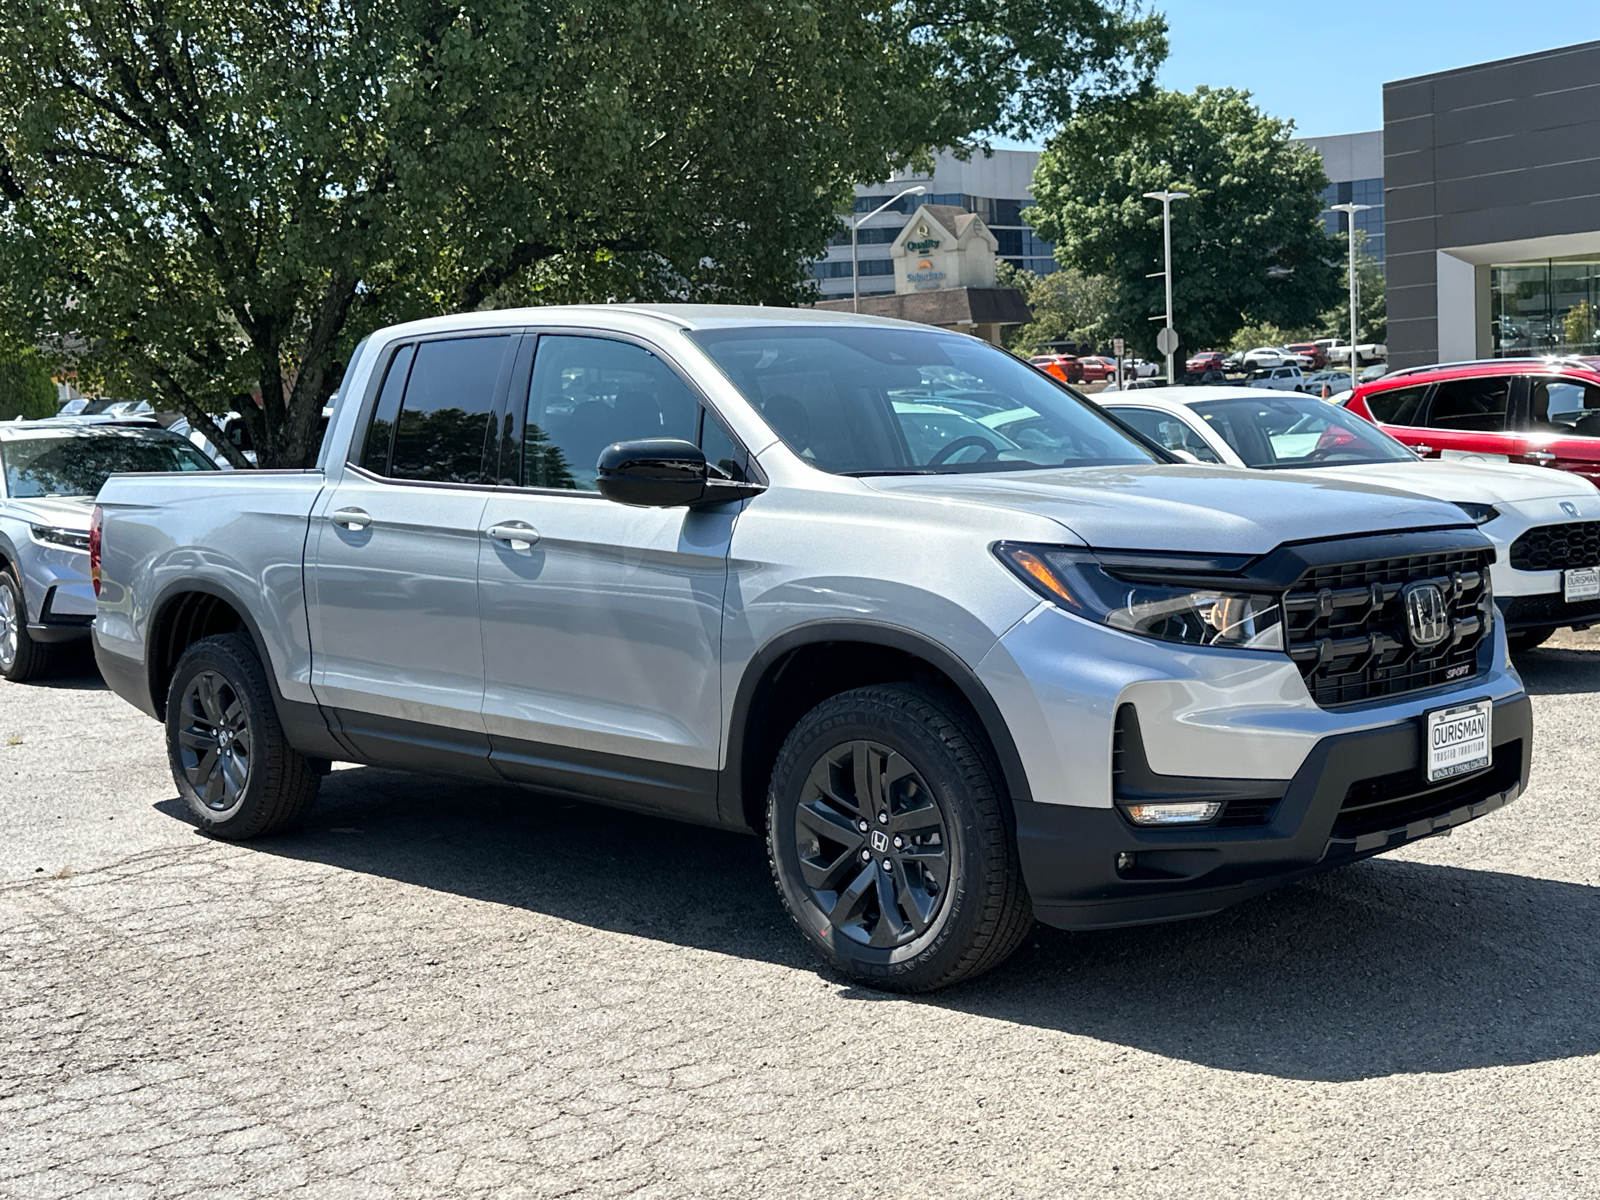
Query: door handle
<point x="519" y="535"/>
<point x="1423" y="449"/>
<point x="351" y="518"/>
<point x="1542" y="457"/>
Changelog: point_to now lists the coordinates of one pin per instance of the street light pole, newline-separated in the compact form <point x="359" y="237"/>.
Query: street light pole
<point x="855" y="228"/>
<point x="1166" y="198"/>
<point x="1350" y="211"/>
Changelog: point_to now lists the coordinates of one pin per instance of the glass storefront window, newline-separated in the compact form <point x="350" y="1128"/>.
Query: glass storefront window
<point x="1546" y="307"/>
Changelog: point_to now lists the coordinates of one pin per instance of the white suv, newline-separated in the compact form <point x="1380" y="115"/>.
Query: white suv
<point x="963" y="649"/>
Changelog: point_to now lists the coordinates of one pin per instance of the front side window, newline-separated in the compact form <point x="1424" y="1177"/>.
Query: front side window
<point x="1471" y="405"/>
<point x="1396" y="406"/>
<point x="1298" y="432"/>
<point x="1567" y="406"/>
<point x="588" y="392"/>
<point x="1164" y="429"/>
<point x="882" y="401"/>
<point x="78" y="464"/>
<point x="444" y="417"/>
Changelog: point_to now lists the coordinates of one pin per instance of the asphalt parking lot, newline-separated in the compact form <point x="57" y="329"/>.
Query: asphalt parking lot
<point x="437" y="990"/>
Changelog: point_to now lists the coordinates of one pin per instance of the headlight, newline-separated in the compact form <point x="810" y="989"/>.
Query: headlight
<point x="1480" y="513"/>
<point x="1175" y="612"/>
<point x="72" y="539"/>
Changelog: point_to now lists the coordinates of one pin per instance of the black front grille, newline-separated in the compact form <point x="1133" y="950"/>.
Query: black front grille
<point x="1394" y="801"/>
<point x="1347" y="625"/>
<point x="1557" y="547"/>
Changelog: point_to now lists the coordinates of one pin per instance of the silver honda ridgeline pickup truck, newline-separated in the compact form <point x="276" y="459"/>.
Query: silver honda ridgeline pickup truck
<point x="967" y="650"/>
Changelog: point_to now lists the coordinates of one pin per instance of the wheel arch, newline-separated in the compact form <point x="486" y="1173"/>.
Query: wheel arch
<point x="801" y="667"/>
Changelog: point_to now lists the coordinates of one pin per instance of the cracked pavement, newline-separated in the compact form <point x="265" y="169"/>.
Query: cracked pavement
<point x="438" y="990"/>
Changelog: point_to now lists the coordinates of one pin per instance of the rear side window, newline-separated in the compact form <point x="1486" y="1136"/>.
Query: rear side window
<point x="1473" y="405"/>
<point x="1166" y="430"/>
<point x="444" y="416"/>
<point x="380" y="434"/>
<point x="1396" y="406"/>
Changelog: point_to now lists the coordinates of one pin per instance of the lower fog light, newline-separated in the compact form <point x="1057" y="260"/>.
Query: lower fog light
<point x="1188" y="812"/>
<point x="1126" y="862"/>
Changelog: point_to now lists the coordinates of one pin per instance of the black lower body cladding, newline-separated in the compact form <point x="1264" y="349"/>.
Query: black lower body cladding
<point x="1356" y="795"/>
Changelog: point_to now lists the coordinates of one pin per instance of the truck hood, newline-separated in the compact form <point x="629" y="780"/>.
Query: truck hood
<point x="1195" y="509"/>
<point x="1481" y="483"/>
<point x="63" y="512"/>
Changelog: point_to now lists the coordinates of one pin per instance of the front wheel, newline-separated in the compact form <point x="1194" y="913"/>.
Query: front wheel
<point x="21" y="658"/>
<point x="892" y="843"/>
<point x="233" y="766"/>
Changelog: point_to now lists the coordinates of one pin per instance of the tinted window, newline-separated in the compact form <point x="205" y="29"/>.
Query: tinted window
<point x="1297" y="431"/>
<point x="1566" y="406"/>
<point x="78" y="464"/>
<point x="445" y="415"/>
<point x="855" y="400"/>
<point x="380" y="434"/>
<point x="588" y="392"/>
<point x="1478" y="405"/>
<point x="1395" y="406"/>
<point x="1164" y="429"/>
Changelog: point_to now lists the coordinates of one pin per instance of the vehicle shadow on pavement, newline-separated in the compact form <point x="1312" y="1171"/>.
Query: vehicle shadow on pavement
<point x="71" y="669"/>
<point x="1559" y="670"/>
<point x="1383" y="968"/>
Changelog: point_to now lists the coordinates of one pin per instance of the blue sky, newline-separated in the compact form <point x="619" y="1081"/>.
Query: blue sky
<point x="1304" y="61"/>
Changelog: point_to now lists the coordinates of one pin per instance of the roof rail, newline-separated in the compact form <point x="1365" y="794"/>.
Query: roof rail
<point x="1541" y="360"/>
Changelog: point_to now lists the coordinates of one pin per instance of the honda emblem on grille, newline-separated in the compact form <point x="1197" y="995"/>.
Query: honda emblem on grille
<point x="1427" y="615"/>
<point x="1568" y="507"/>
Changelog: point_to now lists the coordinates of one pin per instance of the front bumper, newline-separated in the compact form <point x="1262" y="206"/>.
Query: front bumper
<point x="1355" y="795"/>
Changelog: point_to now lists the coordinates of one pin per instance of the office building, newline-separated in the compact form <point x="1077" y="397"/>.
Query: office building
<point x="1492" y="190"/>
<point x="995" y="188"/>
<point x="1353" y="163"/>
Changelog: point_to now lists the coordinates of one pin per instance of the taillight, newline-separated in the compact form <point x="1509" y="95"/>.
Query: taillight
<point x="96" y="522"/>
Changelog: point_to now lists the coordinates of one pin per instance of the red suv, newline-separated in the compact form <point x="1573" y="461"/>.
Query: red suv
<point x="1206" y="360"/>
<point x="1540" y="411"/>
<point x="1311" y="350"/>
<point x="1063" y="366"/>
<point x="1097" y="369"/>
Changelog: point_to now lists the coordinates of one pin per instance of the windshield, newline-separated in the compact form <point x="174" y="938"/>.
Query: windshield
<point x="876" y="401"/>
<point x="1298" y="432"/>
<point x="77" y="464"/>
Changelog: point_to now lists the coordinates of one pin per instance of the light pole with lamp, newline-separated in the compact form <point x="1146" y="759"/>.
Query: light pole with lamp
<point x="1350" y="211"/>
<point x="855" y="228"/>
<point x="1167" y="341"/>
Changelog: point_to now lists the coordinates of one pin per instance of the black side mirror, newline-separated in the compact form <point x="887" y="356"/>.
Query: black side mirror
<point x="653" y="472"/>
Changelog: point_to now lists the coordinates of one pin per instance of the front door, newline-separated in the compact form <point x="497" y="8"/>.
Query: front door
<point x="602" y="623"/>
<point x="392" y="562"/>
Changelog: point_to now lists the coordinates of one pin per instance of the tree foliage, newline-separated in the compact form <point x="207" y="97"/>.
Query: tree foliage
<point x="1247" y="245"/>
<point x="220" y="196"/>
<point x="1067" y="306"/>
<point x="26" y="389"/>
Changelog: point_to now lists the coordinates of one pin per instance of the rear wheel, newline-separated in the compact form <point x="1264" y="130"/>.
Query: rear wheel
<point x="232" y="764"/>
<point x="891" y="840"/>
<point x="21" y="658"/>
<point x="1523" y="640"/>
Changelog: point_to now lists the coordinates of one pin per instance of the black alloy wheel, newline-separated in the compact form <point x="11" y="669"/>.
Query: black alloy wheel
<point x="872" y="844"/>
<point x="214" y="742"/>
<point x="232" y="764"/>
<point x="892" y="840"/>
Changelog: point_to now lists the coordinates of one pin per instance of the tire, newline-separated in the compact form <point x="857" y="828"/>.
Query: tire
<point x="1523" y="640"/>
<point x="952" y="903"/>
<point x="255" y="784"/>
<point x="21" y="658"/>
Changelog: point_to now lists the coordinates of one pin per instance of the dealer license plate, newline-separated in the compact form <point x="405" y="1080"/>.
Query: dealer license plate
<point x="1582" y="583"/>
<point x="1458" y="740"/>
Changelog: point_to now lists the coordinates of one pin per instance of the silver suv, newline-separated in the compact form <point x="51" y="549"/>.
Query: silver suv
<point x="963" y="648"/>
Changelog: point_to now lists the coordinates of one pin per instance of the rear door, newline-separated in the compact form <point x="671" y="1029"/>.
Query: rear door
<point x="392" y="561"/>
<point x="1563" y="424"/>
<point x="602" y="623"/>
<point x="1475" y="419"/>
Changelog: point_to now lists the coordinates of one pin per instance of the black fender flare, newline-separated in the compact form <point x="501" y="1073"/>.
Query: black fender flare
<point x="894" y="637"/>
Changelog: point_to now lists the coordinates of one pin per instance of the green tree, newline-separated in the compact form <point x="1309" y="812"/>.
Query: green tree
<point x="1372" y="301"/>
<point x="26" y="389"/>
<point x="1248" y="245"/>
<point x="218" y="197"/>
<point x="1067" y="305"/>
<point x="1578" y="323"/>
